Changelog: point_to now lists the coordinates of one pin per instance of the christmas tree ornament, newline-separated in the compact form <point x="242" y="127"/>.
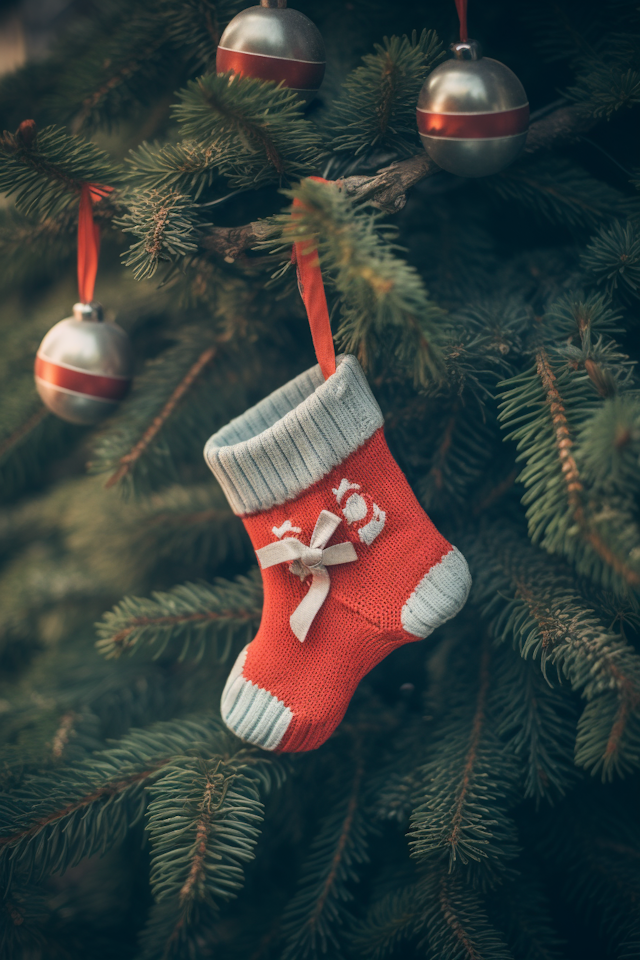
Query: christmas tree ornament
<point x="352" y="566"/>
<point x="473" y="112"/>
<point x="273" y="42"/>
<point x="84" y="365"/>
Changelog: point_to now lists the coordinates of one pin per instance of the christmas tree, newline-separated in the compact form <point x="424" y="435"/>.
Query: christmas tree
<point x="480" y="799"/>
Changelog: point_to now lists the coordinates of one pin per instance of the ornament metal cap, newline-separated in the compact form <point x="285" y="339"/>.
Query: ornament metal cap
<point x="88" y="311"/>
<point x="466" y="50"/>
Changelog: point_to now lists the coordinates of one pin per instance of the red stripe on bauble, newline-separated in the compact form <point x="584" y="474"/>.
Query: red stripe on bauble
<point x="298" y="74"/>
<point x="91" y="384"/>
<point x="474" y="126"/>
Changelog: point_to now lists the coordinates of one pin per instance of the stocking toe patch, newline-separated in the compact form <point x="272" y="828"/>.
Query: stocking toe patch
<point x="253" y="714"/>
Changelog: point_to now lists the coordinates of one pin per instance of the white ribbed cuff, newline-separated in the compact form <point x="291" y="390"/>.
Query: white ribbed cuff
<point x="293" y="437"/>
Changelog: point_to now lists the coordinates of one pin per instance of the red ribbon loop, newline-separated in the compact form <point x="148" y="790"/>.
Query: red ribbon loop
<point x="88" y="239"/>
<point x="461" y="7"/>
<point x="312" y="292"/>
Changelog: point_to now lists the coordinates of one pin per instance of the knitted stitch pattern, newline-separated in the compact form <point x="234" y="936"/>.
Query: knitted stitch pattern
<point x="400" y="580"/>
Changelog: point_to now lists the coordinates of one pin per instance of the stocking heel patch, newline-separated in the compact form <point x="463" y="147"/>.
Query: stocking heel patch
<point x="441" y="593"/>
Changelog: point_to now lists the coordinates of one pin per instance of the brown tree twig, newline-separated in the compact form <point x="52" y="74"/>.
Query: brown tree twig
<point x="119" y="641"/>
<point x="13" y="439"/>
<point x="128" y="460"/>
<point x="387" y="189"/>
<point x="571" y="474"/>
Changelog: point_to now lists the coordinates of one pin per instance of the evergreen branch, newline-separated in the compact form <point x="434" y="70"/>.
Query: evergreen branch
<point x="538" y="722"/>
<point x="560" y="505"/>
<point x="311" y="920"/>
<point x="460" y="814"/>
<point x="195" y="27"/>
<point x="92" y="805"/>
<point x="167" y="227"/>
<point x="562" y="192"/>
<point x="455" y="921"/>
<point x="47" y="168"/>
<point x="387" y="189"/>
<point x="536" y="608"/>
<point x="186" y="167"/>
<point x="128" y="460"/>
<point x="389" y="922"/>
<point x="521" y="908"/>
<point x="377" y="103"/>
<point x="188" y="614"/>
<point x="255" y="130"/>
<point x="116" y="65"/>
<point x="613" y="259"/>
<point x="382" y="296"/>
<point x="204" y="819"/>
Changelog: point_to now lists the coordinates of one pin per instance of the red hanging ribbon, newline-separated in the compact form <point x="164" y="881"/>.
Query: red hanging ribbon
<point x="312" y="292"/>
<point x="461" y="7"/>
<point x="88" y="239"/>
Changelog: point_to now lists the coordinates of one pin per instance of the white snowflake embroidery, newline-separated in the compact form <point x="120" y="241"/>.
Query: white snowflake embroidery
<point x="356" y="509"/>
<point x="286" y="527"/>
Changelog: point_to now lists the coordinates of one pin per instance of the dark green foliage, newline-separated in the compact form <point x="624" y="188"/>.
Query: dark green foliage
<point x="381" y="296"/>
<point x="479" y="800"/>
<point x="195" y="27"/>
<point x="538" y="609"/>
<point x="378" y="105"/>
<point x="186" y="621"/>
<point x="167" y="229"/>
<point x="460" y="817"/>
<point x="45" y="173"/>
<point x="312" y="920"/>
<point x="613" y="259"/>
<point x="557" y="190"/>
<point x="253" y="133"/>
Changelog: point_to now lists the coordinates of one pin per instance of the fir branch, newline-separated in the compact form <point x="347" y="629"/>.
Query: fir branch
<point x="255" y="129"/>
<point x="389" y="922"/>
<point x="538" y="721"/>
<point x="47" y="171"/>
<point x="221" y="615"/>
<point x="92" y="805"/>
<point x="388" y="188"/>
<point x="311" y="921"/>
<point x="377" y="103"/>
<point x="460" y="814"/>
<point x="195" y="27"/>
<point x="167" y="226"/>
<point x="559" y="505"/>
<point x="186" y="167"/>
<point x="455" y="921"/>
<point x="562" y="192"/>
<point x="143" y="424"/>
<point x="204" y="819"/>
<point x="613" y="259"/>
<point x="536" y="607"/>
<point x="382" y="296"/>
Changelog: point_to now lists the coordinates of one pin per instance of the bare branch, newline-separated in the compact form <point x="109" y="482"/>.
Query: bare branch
<point x="387" y="190"/>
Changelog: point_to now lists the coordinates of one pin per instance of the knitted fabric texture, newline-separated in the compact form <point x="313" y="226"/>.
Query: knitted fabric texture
<point x="310" y="461"/>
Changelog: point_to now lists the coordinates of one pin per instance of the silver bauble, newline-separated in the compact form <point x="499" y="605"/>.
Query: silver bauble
<point x="473" y="113"/>
<point x="84" y="366"/>
<point x="272" y="42"/>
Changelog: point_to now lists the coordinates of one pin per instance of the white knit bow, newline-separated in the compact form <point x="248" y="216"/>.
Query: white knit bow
<point x="314" y="559"/>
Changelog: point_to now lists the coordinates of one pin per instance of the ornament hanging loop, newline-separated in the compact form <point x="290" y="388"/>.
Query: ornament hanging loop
<point x="88" y="311"/>
<point x="466" y="50"/>
<point x="281" y="4"/>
